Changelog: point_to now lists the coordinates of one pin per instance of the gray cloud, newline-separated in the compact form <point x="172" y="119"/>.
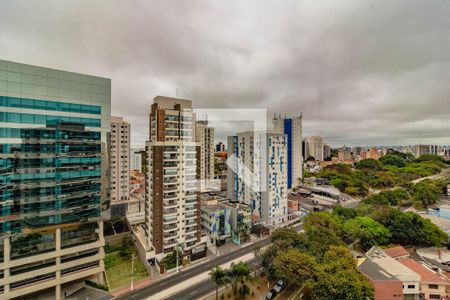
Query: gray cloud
<point x="362" y="72"/>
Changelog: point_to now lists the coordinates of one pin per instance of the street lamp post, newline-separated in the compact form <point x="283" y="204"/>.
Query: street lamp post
<point x="176" y="253"/>
<point x="132" y="272"/>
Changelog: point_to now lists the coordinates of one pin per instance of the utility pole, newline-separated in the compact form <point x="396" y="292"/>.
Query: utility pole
<point x="176" y="253"/>
<point x="132" y="272"/>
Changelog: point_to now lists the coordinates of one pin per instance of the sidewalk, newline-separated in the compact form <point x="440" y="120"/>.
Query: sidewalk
<point x="194" y="280"/>
<point x="137" y="285"/>
<point x="229" y="248"/>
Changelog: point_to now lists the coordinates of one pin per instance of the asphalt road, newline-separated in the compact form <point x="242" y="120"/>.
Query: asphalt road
<point x="193" y="271"/>
<point x="204" y="287"/>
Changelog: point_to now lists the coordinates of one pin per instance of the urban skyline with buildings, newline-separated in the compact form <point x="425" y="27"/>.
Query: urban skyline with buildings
<point x="175" y="150"/>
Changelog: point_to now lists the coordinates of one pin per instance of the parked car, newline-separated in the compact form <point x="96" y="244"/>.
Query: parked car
<point x="270" y="295"/>
<point x="279" y="286"/>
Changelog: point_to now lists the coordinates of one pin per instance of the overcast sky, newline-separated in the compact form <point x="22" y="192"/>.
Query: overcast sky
<point x="362" y="72"/>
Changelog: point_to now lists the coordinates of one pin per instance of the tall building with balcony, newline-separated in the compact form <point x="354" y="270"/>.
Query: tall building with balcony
<point x="425" y="149"/>
<point x="315" y="147"/>
<point x="292" y="127"/>
<point x="259" y="175"/>
<point x="204" y="135"/>
<point x="136" y="159"/>
<point x="119" y="165"/>
<point x="326" y="151"/>
<point x="53" y="180"/>
<point x="172" y="206"/>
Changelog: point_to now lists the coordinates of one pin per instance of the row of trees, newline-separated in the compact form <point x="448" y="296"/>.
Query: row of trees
<point x="421" y="194"/>
<point x="394" y="169"/>
<point x="317" y="260"/>
<point x="236" y="276"/>
<point x="370" y="225"/>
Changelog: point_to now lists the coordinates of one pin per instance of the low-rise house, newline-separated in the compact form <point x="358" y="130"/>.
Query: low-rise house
<point x="223" y="220"/>
<point x="432" y="285"/>
<point x="410" y="279"/>
<point x="386" y="286"/>
<point x="397" y="252"/>
<point x="216" y="223"/>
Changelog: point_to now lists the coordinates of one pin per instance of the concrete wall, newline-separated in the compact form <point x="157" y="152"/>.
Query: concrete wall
<point x="387" y="290"/>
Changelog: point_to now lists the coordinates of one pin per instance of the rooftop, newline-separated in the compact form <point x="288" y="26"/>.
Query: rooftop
<point x="396" y="251"/>
<point x="391" y="265"/>
<point x="375" y="272"/>
<point x="426" y="275"/>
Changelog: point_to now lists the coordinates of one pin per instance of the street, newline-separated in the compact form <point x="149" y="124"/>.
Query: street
<point x="203" y="287"/>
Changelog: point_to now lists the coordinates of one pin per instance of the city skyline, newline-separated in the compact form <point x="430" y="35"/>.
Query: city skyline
<point x="367" y="74"/>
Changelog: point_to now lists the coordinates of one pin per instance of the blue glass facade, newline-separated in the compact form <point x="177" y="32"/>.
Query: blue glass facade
<point x="52" y="177"/>
<point x="49" y="105"/>
<point x="54" y="129"/>
<point x="23" y="118"/>
<point x="288" y="132"/>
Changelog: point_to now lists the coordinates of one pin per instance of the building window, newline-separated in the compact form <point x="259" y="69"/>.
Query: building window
<point x="411" y="286"/>
<point x="433" y="286"/>
<point x="435" y="296"/>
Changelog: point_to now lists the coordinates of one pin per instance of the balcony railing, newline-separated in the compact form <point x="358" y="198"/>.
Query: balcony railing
<point x="170" y="196"/>
<point x="76" y="238"/>
<point x="191" y="215"/>
<point x="170" y="211"/>
<point x="191" y="237"/>
<point x="168" y="204"/>
<point x="170" y="149"/>
<point x="170" y="235"/>
<point x="191" y="222"/>
<point x="170" y="227"/>
<point x="170" y="243"/>
<point x="169" y="220"/>
<point x="31" y="245"/>
<point x="170" y="164"/>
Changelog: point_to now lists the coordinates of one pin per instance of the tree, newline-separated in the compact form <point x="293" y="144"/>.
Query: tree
<point x="389" y="197"/>
<point x="408" y="228"/>
<point x="311" y="158"/>
<point x="425" y="192"/>
<point x="434" y="236"/>
<point x="322" y="231"/>
<point x="319" y="241"/>
<point x="338" y="278"/>
<point x="408" y="157"/>
<point x="376" y="199"/>
<point x="170" y="260"/>
<point x="367" y="231"/>
<point x="344" y="213"/>
<point x="393" y="160"/>
<point x="396" y="196"/>
<point x="370" y="164"/>
<point x="323" y="220"/>
<point x="238" y="274"/>
<point x="430" y="157"/>
<point x="287" y="234"/>
<point x="244" y="291"/>
<point x="219" y="277"/>
<point x="294" y="266"/>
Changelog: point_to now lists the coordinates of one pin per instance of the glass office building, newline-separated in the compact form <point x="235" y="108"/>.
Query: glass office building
<point x="54" y="127"/>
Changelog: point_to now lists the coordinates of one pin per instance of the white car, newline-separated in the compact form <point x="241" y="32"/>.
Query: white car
<point x="279" y="286"/>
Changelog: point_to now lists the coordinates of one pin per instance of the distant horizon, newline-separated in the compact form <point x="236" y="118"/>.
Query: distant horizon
<point x="361" y="72"/>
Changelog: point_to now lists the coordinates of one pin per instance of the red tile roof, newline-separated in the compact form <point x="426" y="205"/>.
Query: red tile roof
<point x="396" y="251"/>
<point x="426" y="275"/>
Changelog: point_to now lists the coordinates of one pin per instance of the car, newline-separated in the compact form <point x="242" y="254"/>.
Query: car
<point x="269" y="296"/>
<point x="279" y="286"/>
